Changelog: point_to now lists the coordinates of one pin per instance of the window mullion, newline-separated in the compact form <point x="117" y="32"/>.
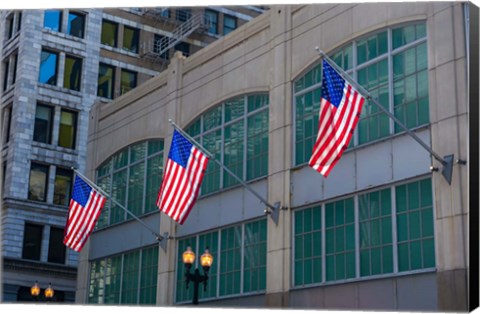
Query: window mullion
<point x="394" y="230"/>
<point x="357" y="235"/>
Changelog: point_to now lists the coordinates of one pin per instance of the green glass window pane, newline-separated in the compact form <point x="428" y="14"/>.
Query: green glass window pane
<point x="317" y="270"/>
<point x="365" y="263"/>
<point x="338" y="58"/>
<point x="307" y="220"/>
<point x="399" y="93"/>
<point x="372" y="47"/>
<point x="413" y="195"/>
<point x="426" y="192"/>
<point x="135" y="189"/>
<point x="362" y="52"/>
<point x="403" y="257"/>
<point x="307" y="272"/>
<point x="350" y="265"/>
<point x="428" y="253"/>
<point x="317" y="243"/>
<point x="375" y="232"/>
<point x="364" y="234"/>
<point x="329" y="215"/>
<point x="340" y="266"/>
<point x="330" y="267"/>
<point x="421" y="30"/>
<point x="137" y="152"/>
<point x="330" y="241"/>
<point x="121" y="159"/>
<point x="155" y="146"/>
<point x="234" y="108"/>
<point x="349" y="210"/>
<point x="398" y="66"/>
<point x="386" y="225"/>
<point x="401" y="198"/>
<point x="307" y="238"/>
<point x="410" y="88"/>
<point x="421" y="52"/>
<point x="262" y="277"/>
<point x="298" y="273"/>
<point x="387" y="258"/>
<point x="298" y="247"/>
<point x="416" y="254"/>
<point x="350" y="237"/>
<point x="414" y="225"/>
<point x="299" y="221"/>
<point x="374" y="204"/>
<point x="363" y="131"/>
<point x="386" y="202"/>
<point x="382" y="43"/>
<point x="409" y="34"/>
<point x="339" y="239"/>
<point x="376" y="260"/>
<point x="299" y="85"/>
<point x="362" y="77"/>
<point x="402" y="227"/>
<point x="317" y="218"/>
<point x="410" y="61"/>
<point x="212" y="118"/>
<point x="339" y="213"/>
<point x="363" y="207"/>
<point x="411" y="114"/>
<point x="397" y="38"/>
<point x="383" y="71"/>
<point x="423" y="114"/>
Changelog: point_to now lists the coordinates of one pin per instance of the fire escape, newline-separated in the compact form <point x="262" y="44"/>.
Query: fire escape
<point x="185" y="23"/>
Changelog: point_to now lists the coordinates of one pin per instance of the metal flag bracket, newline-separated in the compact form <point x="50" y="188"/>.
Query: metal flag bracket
<point x="162" y="240"/>
<point x="274" y="211"/>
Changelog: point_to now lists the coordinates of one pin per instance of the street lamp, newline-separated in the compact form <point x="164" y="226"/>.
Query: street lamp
<point x="48" y="293"/>
<point x="206" y="260"/>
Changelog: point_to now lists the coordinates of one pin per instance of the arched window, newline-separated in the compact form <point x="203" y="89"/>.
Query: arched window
<point x="392" y="65"/>
<point x="132" y="178"/>
<point x="236" y="133"/>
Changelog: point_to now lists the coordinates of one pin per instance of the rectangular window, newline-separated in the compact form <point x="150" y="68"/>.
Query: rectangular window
<point x="339" y="240"/>
<point x="211" y="18"/>
<point x="255" y="256"/>
<point x="386" y="237"/>
<point x="76" y="24"/>
<point x="32" y="241"/>
<point x="56" y="248"/>
<point x="106" y="80"/>
<point x="257" y="139"/>
<point x="109" y="33"/>
<point x="415" y="231"/>
<point x="9" y="25"/>
<point x="230" y="260"/>
<point x="375" y="223"/>
<point x="125" y="279"/>
<point x="37" y="190"/>
<point x="308" y="246"/>
<point x="14" y="71"/>
<point x="68" y="125"/>
<point x="73" y="73"/>
<point x="63" y="186"/>
<point x="6" y="66"/>
<point x="52" y="20"/>
<point x="183" y="14"/>
<point x="131" y="39"/>
<point x="229" y="24"/>
<point x="43" y="124"/>
<point x="48" y="67"/>
<point x="7" y="121"/>
<point x="128" y="81"/>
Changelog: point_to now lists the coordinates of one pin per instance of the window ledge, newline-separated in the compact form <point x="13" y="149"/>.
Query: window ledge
<point x="367" y="278"/>
<point x="120" y="50"/>
<point x="60" y="89"/>
<point x="64" y="35"/>
<point x="53" y="147"/>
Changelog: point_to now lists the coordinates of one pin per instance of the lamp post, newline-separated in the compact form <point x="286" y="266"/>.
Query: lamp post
<point x="206" y="260"/>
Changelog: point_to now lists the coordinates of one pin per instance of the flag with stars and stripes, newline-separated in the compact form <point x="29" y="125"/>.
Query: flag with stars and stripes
<point x="340" y="107"/>
<point x="183" y="176"/>
<point x="85" y="207"/>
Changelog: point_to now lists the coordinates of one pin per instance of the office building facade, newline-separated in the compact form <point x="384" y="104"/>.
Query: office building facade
<point x="55" y="64"/>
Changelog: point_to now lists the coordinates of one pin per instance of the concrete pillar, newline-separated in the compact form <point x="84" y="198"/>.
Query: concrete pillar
<point x="279" y="244"/>
<point x="449" y="127"/>
<point x="166" y="259"/>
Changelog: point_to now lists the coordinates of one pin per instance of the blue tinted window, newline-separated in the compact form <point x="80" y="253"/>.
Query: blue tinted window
<point x="53" y="20"/>
<point x="48" y="67"/>
<point x="76" y="24"/>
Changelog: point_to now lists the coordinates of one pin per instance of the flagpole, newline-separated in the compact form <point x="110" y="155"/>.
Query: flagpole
<point x="447" y="161"/>
<point x="274" y="208"/>
<point x="157" y="236"/>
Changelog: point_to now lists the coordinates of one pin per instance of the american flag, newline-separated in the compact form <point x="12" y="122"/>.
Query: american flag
<point x="183" y="176"/>
<point x="340" y="108"/>
<point x="85" y="206"/>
